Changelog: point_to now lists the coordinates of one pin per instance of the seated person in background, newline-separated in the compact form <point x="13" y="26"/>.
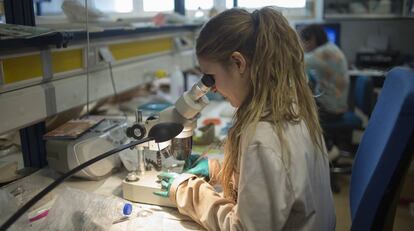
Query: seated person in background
<point x="327" y="68"/>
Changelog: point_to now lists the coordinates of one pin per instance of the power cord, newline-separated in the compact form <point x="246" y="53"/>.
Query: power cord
<point x="63" y="177"/>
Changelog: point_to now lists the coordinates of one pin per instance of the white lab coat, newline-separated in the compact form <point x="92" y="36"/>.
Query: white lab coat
<point x="271" y="195"/>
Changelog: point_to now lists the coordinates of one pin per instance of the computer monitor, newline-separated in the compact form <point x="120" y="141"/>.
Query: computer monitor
<point x="333" y="31"/>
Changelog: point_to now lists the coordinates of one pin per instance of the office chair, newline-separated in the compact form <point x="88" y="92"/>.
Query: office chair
<point x="364" y="94"/>
<point x="384" y="154"/>
<point x="340" y="132"/>
<point x="361" y="96"/>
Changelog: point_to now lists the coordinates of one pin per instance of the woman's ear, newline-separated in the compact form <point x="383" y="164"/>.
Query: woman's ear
<point x="239" y="60"/>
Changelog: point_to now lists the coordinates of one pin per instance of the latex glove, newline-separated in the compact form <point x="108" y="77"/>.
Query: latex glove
<point x="197" y="166"/>
<point x="167" y="178"/>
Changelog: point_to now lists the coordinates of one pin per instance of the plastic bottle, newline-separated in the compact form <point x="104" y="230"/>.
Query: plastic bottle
<point x="105" y="210"/>
<point x="80" y="210"/>
<point x="9" y="206"/>
<point x="177" y="84"/>
<point x="117" y="209"/>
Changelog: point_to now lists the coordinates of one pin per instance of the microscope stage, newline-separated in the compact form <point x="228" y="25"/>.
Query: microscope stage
<point x="141" y="191"/>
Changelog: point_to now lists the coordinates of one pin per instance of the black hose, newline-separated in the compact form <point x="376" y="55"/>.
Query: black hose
<point x="59" y="180"/>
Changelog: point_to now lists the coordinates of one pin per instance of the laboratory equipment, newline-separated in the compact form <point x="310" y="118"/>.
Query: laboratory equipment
<point x="377" y="60"/>
<point x="140" y="186"/>
<point x="159" y="133"/>
<point x="66" y="154"/>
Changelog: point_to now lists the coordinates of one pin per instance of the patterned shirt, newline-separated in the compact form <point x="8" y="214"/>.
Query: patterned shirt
<point x="327" y="67"/>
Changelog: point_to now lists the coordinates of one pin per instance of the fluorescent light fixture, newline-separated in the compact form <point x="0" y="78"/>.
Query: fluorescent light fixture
<point x="291" y="3"/>
<point x="278" y="3"/>
<point x="117" y="6"/>
<point x="124" y="6"/>
<point x="158" y="5"/>
<point x="229" y="4"/>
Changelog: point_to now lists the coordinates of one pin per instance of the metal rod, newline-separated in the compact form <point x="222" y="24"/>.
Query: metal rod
<point x="87" y="57"/>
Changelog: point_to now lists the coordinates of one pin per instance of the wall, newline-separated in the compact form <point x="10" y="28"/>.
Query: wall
<point x="354" y="34"/>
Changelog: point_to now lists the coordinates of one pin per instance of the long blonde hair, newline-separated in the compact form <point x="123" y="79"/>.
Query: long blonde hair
<point x="277" y="78"/>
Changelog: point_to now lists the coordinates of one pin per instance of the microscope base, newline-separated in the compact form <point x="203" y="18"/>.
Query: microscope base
<point x="141" y="191"/>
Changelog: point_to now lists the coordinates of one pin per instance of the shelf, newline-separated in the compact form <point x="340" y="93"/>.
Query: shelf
<point x="17" y="36"/>
<point x="38" y="80"/>
<point x="362" y="16"/>
<point x="28" y="105"/>
<point x="65" y="38"/>
<point x="107" y="33"/>
<point x="364" y="10"/>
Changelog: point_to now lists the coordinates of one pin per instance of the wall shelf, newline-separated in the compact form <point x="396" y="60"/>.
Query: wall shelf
<point x="362" y="16"/>
<point x="58" y="81"/>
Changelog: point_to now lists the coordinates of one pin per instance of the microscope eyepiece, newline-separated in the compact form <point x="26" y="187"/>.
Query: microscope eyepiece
<point x="202" y="87"/>
<point x="208" y="80"/>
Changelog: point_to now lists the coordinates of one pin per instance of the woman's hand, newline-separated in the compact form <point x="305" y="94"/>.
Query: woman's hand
<point x="167" y="179"/>
<point x="197" y="165"/>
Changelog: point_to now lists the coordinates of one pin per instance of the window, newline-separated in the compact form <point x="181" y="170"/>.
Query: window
<point x="117" y="6"/>
<point x="158" y="5"/>
<point x="2" y="19"/>
<point x="195" y="4"/>
<point x="49" y="8"/>
<point x="54" y="7"/>
<point x="291" y="9"/>
<point x="279" y="3"/>
<point x="229" y="4"/>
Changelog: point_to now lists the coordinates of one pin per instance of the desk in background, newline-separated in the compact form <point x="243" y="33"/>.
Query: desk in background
<point x="378" y="76"/>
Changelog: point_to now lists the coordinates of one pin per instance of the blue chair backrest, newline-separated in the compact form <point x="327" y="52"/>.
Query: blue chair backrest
<point x="364" y="94"/>
<point x="384" y="153"/>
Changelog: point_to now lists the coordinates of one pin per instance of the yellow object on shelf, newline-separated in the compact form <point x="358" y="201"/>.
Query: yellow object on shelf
<point x="139" y="48"/>
<point x="17" y="69"/>
<point x="67" y="60"/>
<point x="160" y="73"/>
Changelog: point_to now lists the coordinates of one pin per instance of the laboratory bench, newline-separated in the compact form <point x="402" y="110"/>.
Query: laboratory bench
<point x="145" y="216"/>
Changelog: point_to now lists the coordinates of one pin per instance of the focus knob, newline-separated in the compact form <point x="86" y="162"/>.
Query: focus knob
<point x="136" y="131"/>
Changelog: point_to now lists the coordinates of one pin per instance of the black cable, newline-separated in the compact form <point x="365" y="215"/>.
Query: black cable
<point x="58" y="181"/>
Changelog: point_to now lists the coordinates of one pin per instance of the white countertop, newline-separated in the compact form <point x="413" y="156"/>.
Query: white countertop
<point x="367" y="72"/>
<point x="144" y="217"/>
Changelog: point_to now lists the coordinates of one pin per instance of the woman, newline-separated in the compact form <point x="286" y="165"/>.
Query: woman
<point x="275" y="174"/>
<point x="327" y="65"/>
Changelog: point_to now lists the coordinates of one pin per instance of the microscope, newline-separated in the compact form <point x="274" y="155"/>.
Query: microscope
<point x="139" y="185"/>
